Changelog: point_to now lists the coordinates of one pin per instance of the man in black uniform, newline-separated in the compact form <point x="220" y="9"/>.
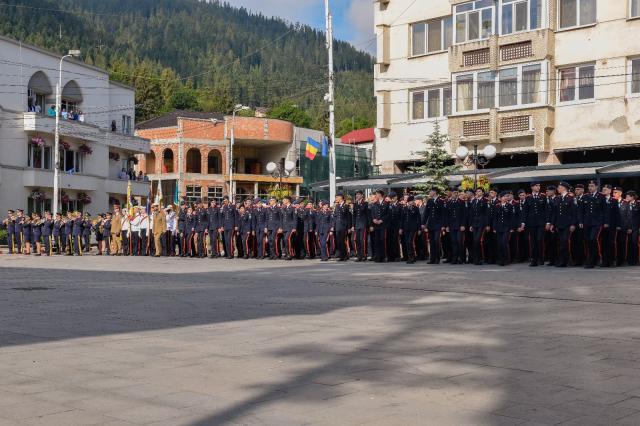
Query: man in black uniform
<point x="274" y="228"/>
<point x="591" y="220"/>
<point x="323" y="231"/>
<point x="379" y="225"/>
<point x="393" y="228"/>
<point x="629" y="224"/>
<point x="535" y="223"/>
<point x="435" y="224"/>
<point x="228" y="226"/>
<point x="520" y="237"/>
<point x="456" y="225"/>
<point x="262" y="232"/>
<point x="360" y="226"/>
<point x="182" y="230"/>
<point x="563" y="220"/>
<point x="578" y="244"/>
<point x="289" y="227"/>
<point x="411" y="223"/>
<point x="611" y="225"/>
<point x="550" y="236"/>
<point x="341" y="226"/>
<point x="502" y="226"/>
<point x="478" y="224"/>
<point x="213" y="215"/>
<point x="308" y="217"/>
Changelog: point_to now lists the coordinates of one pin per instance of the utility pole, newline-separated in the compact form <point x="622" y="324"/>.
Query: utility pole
<point x="330" y="98"/>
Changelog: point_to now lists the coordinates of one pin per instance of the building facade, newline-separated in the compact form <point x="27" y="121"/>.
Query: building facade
<point x="96" y="139"/>
<point x="545" y="81"/>
<point x="190" y="154"/>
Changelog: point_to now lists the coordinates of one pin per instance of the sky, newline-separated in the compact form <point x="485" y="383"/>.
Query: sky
<point x="352" y="19"/>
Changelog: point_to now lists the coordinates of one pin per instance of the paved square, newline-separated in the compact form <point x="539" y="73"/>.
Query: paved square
<point x="129" y="341"/>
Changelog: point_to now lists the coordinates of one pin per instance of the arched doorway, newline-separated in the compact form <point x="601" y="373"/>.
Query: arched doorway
<point x="194" y="161"/>
<point x="37" y="91"/>
<point x="71" y="97"/>
<point x="150" y="161"/>
<point x="167" y="161"/>
<point x="214" y="162"/>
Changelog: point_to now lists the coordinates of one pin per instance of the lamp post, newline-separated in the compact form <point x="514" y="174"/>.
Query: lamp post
<point x="232" y="141"/>
<point x="280" y="170"/>
<point x="56" y="147"/>
<point x="476" y="158"/>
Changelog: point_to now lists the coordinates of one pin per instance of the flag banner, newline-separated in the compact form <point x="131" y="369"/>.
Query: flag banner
<point x="313" y="146"/>
<point x="325" y="146"/>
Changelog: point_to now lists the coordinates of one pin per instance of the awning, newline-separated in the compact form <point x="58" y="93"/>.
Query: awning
<point x="544" y="174"/>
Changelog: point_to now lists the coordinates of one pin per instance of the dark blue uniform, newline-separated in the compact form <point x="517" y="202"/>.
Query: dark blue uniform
<point x="535" y="221"/>
<point x="456" y="218"/>
<point x="47" y="231"/>
<point x="435" y="221"/>
<point x="214" y="224"/>
<point x="76" y="233"/>
<point x="308" y="217"/>
<point x="324" y="222"/>
<point x="202" y="225"/>
<point x="411" y="223"/>
<point x="229" y="223"/>
<point x="290" y="229"/>
<point x="478" y="222"/>
<point x="609" y="231"/>
<point x="10" y="225"/>
<point x="564" y="217"/>
<point x="502" y="223"/>
<point x="591" y="217"/>
<point x="394" y="224"/>
<point x="262" y="239"/>
<point x="274" y="224"/>
<point x="58" y="231"/>
<point x="341" y="226"/>
<point x="361" y="223"/>
<point x="190" y="224"/>
<point x="628" y="241"/>
<point x="379" y="213"/>
<point x="247" y="226"/>
<point x="183" y="234"/>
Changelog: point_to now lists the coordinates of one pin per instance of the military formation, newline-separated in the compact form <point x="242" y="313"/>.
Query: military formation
<point x="563" y="226"/>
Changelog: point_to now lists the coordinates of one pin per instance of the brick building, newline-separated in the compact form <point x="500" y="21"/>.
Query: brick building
<point x="190" y="154"/>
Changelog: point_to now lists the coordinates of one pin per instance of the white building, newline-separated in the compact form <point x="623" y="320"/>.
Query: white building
<point x="97" y="145"/>
<point x="548" y="82"/>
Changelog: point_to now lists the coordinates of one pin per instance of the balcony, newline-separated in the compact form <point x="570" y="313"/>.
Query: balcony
<point x="86" y="132"/>
<point x="44" y="179"/>
<point x="499" y="51"/>
<point x="117" y="186"/>
<point x="264" y="178"/>
<point x="516" y="130"/>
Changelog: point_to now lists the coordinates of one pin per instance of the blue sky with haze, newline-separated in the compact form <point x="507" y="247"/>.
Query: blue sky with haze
<point x="353" y="19"/>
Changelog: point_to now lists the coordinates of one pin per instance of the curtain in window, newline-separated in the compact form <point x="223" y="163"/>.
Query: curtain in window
<point x="585" y="88"/>
<point x="474" y="25"/>
<point x="434" y="36"/>
<point x="635" y="76"/>
<point x="508" y="87"/>
<point x="587" y="12"/>
<point x="433" y="105"/>
<point x="567" y="84"/>
<point x="507" y="19"/>
<point x="486" y="90"/>
<point x="418" y="106"/>
<point x="521" y="16"/>
<point x="461" y="28"/>
<point x="418" y="39"/>
<point x="487" y="22"/>
<point x="531" y="84"/>
<point x="568" y="13"/>
<point x="464" y="97"/>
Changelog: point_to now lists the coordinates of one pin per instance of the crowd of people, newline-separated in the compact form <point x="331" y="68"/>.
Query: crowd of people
<point x="563" y="226"/>
<point x="73" y="115"/>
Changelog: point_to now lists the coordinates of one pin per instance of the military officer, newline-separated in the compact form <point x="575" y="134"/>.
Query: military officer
<point x="47" y="231"/>
<point x="360" y="227"/>
<point x="456" y="225"/>
<point x="341" y="226"/>
<point x="228" y="226"/>
<point x="323" y="226"/>
<point x="611" y="225"/>
<point x="563" y="220"/>
<point x="502" y="225"/>
<point x="535" y="222"/>
<point x="478" y="224"/>
<point x="379" y="224"/>
<point x="411" y="228"/>
<point x="629" y="224"/>
<point x="213" y="215"/>
<point x="435" y="224"/>
<point x="591" y="220"/>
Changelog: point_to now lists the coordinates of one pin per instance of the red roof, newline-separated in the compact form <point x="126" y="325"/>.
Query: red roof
<point x="359" y="136"/>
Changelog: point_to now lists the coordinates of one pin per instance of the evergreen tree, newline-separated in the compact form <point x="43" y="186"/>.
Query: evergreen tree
<point x="437" y="163"/>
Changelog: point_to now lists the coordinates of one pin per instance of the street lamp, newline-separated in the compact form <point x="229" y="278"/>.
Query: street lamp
<point x="476" y="158"/>
<point x="280" y="170"/>
<point x="236" y="109"/>
<point x="56" y="148"/>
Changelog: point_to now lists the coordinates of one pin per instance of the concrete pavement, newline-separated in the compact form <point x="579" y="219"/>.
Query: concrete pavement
<point x="122" y="341"/>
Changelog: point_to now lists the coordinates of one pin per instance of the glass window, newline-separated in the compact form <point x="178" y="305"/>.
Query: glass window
<point x="531" y="84"/>
<point x="214" y="193"/>
<point x="635" y="76"/>
<point x="464" y="95"/>
<point x="635" y="8"/>
<point x="520" y="15"/>
<point x="418" y="35"/>
<point x="486" y="90"/>
<point x="434" y="36"/>
<point x="567" y="84"/>
<point x="577" y="12"/>
<point x="474" y="20"/>
<point x="507" y="19"/>
<point x="446" y="102"/>
<point x="417" y="105"/>
<point x="448" y="31"/>
<point x="535" y="14"/>
<point x="194" y="192"/>
<point x="433" y="106"/>
<point x="508" y="87"/>
<point x="585" y="88"/>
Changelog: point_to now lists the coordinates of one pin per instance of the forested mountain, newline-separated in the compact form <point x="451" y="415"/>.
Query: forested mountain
<point x="200" y="55"/>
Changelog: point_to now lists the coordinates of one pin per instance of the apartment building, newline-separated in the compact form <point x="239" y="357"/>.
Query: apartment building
<point x="96" y="138"/>
<point x="190" y="154"/>
<point x="547" y="82"/>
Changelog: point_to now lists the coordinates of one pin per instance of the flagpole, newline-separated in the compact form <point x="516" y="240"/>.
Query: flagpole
<point x="331" y="100"/>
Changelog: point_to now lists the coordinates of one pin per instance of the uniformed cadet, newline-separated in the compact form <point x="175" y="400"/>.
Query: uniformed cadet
<point x="246" y="228"/>
<point x="490" y="245"/>
<point x="550" y="236"/>
<point x="57" y="233"/>
<point x="535" y="222"/>
<point x="520" y="236"/>
<point x="228" y="226"/>
<point x="182" y="230"/>
<point x="309" y="241"/>
<point x="262" y="231"/>
<point x="591" y="220"/>
<point x="478" y="224"/>
<point x="36" y="233"/>
<point x="393" y="227"/>
<point x="323" y="226"/>
<point x="76" y="233"/>
<point x="213" y="224"/>
<point x="126" y="234"/>
<point x="629" y="223"/>
<point x="422" y="243"/>
<point x="611" y="225"/>
<point x="360" y="228"/>
<point x="379" y="224"/>
<point x="456" y="225"/>
<point x="578" y="244"/>
<point x="115" y="237"/>
<point x="9" y="224"/>
<point x="19" y="230"/>
<point x="564" y="219"/>
<point x="503" y="221"/>
<point x="190" y="233"/>
<point x="341" y="227"/>
<point x="435" y="224"/>
<point x="411" y="228"/>
<point x="96" y="228"/>
<point x="289" y="227"/>
<point x="106" y="234"/>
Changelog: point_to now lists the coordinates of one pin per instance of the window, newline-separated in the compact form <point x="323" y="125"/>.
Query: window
<point x="69" y="206"/>
<point x="474" y="20"/>
<point x="634" y="73"/>
<point x="126" y="124"/>
<point x="214" y="193"/>
<point x="520" y="15"/>
<point x="437" y="101"/>
<point x="575" y="13"/>
<point x="39" y="206"/>
<point x="194" y="192"/>
<point x="512" y="87"/>
<point x="431" y="36"/>
<point x="634" y="6"/>
<point x="39" y="157"/>
<point x="576" y="83"/>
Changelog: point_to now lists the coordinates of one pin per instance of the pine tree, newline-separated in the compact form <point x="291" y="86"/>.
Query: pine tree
<point x="437" y="162"/>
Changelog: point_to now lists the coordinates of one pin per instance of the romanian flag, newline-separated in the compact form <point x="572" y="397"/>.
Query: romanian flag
<point x="313" y="147"/>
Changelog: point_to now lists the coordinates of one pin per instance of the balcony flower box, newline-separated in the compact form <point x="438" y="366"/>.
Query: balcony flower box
<point x="37" y="141"/>
<point x="85" y="149"/>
